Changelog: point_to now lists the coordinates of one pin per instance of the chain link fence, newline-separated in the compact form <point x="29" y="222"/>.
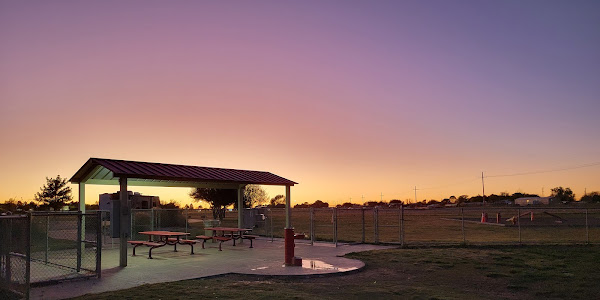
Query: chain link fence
<point x="403" y="226"/>
<point x="64" y="245"/>
<point x="14" y="256"/>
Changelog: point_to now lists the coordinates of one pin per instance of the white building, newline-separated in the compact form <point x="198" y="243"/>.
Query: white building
<point x="138" y="201"/>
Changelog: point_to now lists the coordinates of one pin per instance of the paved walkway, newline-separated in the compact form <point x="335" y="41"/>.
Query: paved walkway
<point x="266" y="258"/>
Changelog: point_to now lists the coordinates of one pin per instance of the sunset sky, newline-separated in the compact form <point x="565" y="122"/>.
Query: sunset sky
<point x="347" y="98"/>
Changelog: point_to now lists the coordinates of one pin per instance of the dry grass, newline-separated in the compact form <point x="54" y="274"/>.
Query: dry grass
<point x="508" y="272"/>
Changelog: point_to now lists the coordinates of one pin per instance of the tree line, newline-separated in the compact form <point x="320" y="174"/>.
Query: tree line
<point x="55" y="194"/>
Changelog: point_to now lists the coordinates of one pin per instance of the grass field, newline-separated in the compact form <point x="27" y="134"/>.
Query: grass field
<point x="493" y="272"/>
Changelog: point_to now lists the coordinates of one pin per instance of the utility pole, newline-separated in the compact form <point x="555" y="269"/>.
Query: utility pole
<point x="415" y="194"/>
<point x="483" y="188"/>
<point x="542" y="191"/>
<point x="363" y="199"/>
<point x="381" y="199"/>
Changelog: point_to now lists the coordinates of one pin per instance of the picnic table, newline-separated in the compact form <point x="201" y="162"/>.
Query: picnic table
<point x="164" y="238"/>
<point x="233" y="232"/>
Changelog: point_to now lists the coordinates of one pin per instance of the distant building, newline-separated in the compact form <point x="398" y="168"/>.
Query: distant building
<point x="137" y="200"/>
<point x="524" y="201"/>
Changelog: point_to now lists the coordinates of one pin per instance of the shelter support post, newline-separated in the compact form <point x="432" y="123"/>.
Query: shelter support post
<point x="289" y="235"/>
<point x="240" y="206"/>
<point x="288" y="208"/>
<point x="81" y="225"/>
<point x="82" y="197"/>
<point x="124" y="224"/>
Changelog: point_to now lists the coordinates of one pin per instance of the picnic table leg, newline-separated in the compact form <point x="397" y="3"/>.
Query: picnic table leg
<point x="175" y="244"/>
<point x="150" y="253"/>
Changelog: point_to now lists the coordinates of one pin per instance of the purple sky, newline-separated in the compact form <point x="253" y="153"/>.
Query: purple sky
<point x="348" y="98"/>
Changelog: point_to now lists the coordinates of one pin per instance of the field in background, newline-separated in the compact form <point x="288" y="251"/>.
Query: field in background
<point x="491" y="272"/>
<point x="445" y="226"/>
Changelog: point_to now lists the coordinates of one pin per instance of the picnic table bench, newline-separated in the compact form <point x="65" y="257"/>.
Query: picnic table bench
<point x="229" y="232"/>
<point x="152" y="245"/>
<point x="165" y="238"/>
<point x="249" y="237"/>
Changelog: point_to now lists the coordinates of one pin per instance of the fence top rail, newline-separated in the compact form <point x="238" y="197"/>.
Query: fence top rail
<point x="61" y="213"/>
<point x="14" y="217"/>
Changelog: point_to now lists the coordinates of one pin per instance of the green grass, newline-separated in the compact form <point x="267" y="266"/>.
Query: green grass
<point x="507" y="272"/>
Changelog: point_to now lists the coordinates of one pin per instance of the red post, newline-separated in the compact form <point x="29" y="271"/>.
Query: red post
<point x="498" y="218"/>
<point x="289" y="246"/>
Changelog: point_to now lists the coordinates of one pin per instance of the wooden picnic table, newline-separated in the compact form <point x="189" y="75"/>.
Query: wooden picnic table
<point x="166" y="238"/>
<point x="232" y="231"/>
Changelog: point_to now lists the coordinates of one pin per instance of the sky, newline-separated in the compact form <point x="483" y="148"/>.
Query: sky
<point x="354" y="100"/>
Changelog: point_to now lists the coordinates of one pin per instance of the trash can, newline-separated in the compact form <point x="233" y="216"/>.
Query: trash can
<point x="210" y="223"/>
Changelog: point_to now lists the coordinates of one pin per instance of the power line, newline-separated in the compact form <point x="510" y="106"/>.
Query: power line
<point x="546" y="171"/>
<point x="452" y="184"/>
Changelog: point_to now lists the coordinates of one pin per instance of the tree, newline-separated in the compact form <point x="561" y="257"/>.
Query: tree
<point x="278" y="201"/>
<point x="254" y="195"/>
<point x="591" y="197"/>
<point x="563" y="195"/>
<point x="218" y="199"/>
<point x="172" y="204"/>
<point x="303" y="205"/>
<point x="319" y="204"/>
<point x="55" y="193"/>
<point x="395" y="203"/>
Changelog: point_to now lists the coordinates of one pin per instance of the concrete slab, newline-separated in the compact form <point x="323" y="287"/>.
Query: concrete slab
<point x="266" y="258"/>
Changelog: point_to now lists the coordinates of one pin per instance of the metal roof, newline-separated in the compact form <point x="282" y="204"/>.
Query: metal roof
<point x="108" y="171"/>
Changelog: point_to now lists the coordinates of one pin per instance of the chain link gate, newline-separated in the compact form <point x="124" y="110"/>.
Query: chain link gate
<point x="65" y="245"/>
<point x="14" y="256"/>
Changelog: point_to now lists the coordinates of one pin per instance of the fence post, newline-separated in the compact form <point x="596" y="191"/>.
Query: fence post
<point x="79" y="241"/>
<point x="402" y="224"/>
<point x="519" y="223"/>
<point x="363" y="224"/>
<point x="587" y="228"/>
<point x="271" y="217"/>
<point x="186" y="219"/>
<point x="376" y="224"/>
<point x="133" y="234"/>
<point x="335" y="226"/>
<point x="28" y="257"/>
<point x="462" y="221"/>
<point x="47" y="237"/>
<point x="399" y="225"/>
<point x="7" y="256"/>
<point x="99" y="244"/>
<point x="152" y="219"/>
<point x="312" y="226"/>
